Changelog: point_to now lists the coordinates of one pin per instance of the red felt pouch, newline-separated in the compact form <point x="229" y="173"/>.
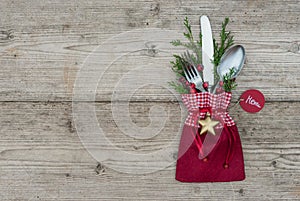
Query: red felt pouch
<point x="214" y="154"/>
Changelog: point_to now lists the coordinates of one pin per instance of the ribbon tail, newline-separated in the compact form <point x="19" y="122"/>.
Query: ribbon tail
<point x="231" y="142"/>
<point x="200" y="147"/>
<point x="198" y="142"/>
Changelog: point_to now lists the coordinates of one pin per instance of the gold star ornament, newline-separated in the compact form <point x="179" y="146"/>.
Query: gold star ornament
<point x="208" y="124"/>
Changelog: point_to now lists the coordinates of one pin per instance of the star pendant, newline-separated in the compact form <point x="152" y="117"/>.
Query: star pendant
<point x="208" y="124"/>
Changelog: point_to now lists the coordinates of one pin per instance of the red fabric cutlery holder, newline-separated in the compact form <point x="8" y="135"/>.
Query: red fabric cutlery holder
<point x="208" y="157"/>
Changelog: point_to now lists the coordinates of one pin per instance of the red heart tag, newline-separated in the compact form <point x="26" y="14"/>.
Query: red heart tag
<point x="252" y="101"/>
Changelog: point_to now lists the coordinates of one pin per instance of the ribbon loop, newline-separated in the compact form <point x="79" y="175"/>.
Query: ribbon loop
<point x="200" y="103"/>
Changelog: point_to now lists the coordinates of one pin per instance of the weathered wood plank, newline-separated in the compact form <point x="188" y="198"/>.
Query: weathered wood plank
<point x="73" y="181"/>
<point x="41" y="123"/>
<point x="42" y="52"/>
<point x="42" y="156"/>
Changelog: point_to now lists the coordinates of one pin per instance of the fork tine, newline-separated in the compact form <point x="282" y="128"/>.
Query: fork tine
<point x="196" y="71"/>
<point x="190" y="58"/>
<point x="190" y="73"/>
<point x="188" y="78"/>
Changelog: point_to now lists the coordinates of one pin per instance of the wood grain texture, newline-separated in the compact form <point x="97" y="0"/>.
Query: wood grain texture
<point x="42" y="157"/>
<point x="117" y="52"/>
<point x="44" y="44"/>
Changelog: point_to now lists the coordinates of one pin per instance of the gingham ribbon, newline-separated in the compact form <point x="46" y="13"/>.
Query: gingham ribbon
<point x="217" y="103"/>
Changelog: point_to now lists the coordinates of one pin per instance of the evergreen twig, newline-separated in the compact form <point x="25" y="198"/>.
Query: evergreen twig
<point x="195" y="46"/>
<point x="229" y="82"/>
<point x="179" y="87"/>
<point x="226" y="40"/>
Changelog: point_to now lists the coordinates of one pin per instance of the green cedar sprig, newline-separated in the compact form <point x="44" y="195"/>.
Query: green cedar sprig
<point x="178" y="64"/>
<point x="189" y="34"/>
<point x="179" y="87"/>
<point x="193" y="45"/>
<point x="229" y="82"/>
<point x="226" y="41"/>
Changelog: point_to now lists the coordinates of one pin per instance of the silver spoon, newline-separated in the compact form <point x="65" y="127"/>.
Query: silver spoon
<point x="232" y="58"/>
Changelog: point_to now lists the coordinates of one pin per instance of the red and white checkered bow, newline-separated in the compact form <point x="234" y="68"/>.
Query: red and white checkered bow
<point x="198" y="104"/>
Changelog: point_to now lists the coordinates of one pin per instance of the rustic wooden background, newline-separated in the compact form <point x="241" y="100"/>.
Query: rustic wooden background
<point x="43" y="44"/>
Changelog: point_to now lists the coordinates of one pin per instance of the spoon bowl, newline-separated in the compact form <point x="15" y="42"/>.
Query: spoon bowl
<point x="232" y="58"/>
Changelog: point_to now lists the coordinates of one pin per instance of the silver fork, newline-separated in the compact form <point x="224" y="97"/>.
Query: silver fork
<point x="192" y="76"/>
